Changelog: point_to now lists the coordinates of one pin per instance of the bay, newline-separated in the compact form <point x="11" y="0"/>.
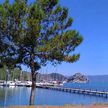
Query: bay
<point x="17" y="96"/>
<point x="11" y="96"/>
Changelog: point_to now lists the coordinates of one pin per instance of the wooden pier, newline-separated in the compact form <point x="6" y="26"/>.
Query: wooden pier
<point x="78" y="91"/>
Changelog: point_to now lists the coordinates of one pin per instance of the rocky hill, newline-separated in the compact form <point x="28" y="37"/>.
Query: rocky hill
<point x="23" y="75"/>
<point x="51" y="77"/>
<point x="78" y="77"/>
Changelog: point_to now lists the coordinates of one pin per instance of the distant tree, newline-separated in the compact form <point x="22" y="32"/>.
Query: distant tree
<point x="25" y="77"/>
<point x="2" y="73"/>
<point x="16" y="73"/>
<point x="36" y="34"/>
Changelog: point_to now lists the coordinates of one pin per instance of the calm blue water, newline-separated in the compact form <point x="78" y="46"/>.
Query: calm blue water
<point x="20" y="95"/>
<point x="101" y="86"/>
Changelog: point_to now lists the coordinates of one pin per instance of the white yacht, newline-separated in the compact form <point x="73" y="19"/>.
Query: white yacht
<point x="8" y="83"/>
<point x="28" y="83"/>
<point x="19" y="83"/>
<point x="1" y="83"/>
<point x="11" y="83"/>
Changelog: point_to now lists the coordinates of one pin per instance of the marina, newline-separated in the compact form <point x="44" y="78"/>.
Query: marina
<point x="28" y="83"/>
<point x="57" y="87"/>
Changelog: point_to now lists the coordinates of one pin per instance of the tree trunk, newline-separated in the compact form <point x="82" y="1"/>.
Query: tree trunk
<point x="32" y="95"/>
<point x="33" y="75"/>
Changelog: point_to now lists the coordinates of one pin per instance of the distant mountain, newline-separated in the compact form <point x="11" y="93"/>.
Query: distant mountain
<point x="78" y="77"/>
<point x="51" y="77"/>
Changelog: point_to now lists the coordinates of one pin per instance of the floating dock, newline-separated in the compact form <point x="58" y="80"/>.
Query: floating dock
<point x="78" y="91"/>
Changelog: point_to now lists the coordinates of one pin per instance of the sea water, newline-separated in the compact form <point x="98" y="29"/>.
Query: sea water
<point x="100" y="86"/>
<point x="11" y="96"/>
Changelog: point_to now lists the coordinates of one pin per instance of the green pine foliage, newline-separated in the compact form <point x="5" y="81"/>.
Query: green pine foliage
<point x="37" y="33"/>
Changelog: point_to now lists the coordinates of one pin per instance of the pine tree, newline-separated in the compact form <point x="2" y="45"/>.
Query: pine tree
<point x="36" y="34"/>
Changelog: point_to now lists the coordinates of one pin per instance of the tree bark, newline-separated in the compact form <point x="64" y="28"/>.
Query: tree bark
<point x="32" y="95"/>
<point x="33" y="75"/>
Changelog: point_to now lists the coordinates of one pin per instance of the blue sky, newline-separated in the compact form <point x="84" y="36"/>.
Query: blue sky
<point x="91" y="20"/>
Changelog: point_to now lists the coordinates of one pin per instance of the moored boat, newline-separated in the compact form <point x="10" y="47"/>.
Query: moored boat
<point x="19" y="83"/>
<point x="28" y="83"/>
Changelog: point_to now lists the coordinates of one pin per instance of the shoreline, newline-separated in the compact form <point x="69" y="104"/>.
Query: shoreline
<point x="65" y="106"/>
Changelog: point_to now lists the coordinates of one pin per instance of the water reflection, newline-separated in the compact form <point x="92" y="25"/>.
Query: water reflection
<point x="2" y="93"/>
<point x="20" y="96"/>
<point x="13" y="96"/>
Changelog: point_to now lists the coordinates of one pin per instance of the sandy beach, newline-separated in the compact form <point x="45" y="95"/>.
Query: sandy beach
<point x="67" y="106"/>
